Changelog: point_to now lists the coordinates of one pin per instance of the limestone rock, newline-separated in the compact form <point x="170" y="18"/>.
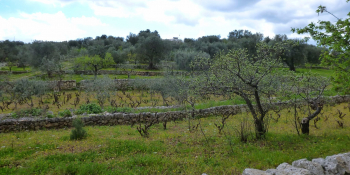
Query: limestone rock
<point x="250" y="171"/>
<point x="271" y="171"/>
<point x="337" y="164"/>
<point x="286" y="169"/>
<point x="313" y="167"/>
<point x="320" y="161"/>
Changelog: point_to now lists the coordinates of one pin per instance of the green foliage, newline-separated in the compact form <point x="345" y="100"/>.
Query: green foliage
<point x="125" y="110"/>
<point x="50" y="116"/>
<point x="110" y="109"/>
<point x="335" y="37"/>
<point x="10" y="63"/>
<point x="91" y="108"/>
<point x="150" y="49"/>
<point x="251" y="77"/>
<point x="94" y="63"/>
<point x="49" y="66"/>
<point x="78" y="132"/>
<point x="183" y="58"/>
<point x="26" y="112"/>
<point x="65" y="113"/>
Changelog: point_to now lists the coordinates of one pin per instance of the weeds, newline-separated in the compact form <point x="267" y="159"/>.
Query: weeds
<point x="78" y="132"/>
<point x="90" y="108"/>
<point x="65" y="113"/>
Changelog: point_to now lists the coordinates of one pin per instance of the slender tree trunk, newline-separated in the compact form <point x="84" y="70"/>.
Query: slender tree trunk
<point x="292" y="67"/>
<point x="260" y="129"/>
<point x="305" y="121"/>
<point x="95" y="72"/>
<point x="151" y="65"/>
<point x="305" y="126"/>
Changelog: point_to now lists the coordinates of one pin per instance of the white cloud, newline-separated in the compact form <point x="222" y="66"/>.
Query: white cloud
<point x="43" y="26"/>
<point x="189" y="18"/>
<point x="266" y="16"/>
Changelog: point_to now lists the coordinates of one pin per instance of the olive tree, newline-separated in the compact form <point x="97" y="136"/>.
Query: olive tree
<point x="151" y="50"/>
<point x="10" y="63"/>
<point x="49" y="66"/>
<point x="183" y="58"/>
<point x="254" y="78"/>
<point x="94" y="63"/>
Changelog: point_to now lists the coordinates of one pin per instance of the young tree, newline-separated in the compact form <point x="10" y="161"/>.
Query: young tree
<point x="49" y="66"/>
<point x="10" y="63"/>
<point x="128" y="68"/>
<point x="95" y="63"/>
<point x="308" y="88"/>
<point x="24" y="56"/>
<point x="254" y="78"/>
<point x="335" y="37"/>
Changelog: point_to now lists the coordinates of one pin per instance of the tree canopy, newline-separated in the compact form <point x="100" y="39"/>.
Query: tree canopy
<point x="95" y="63"/>
<point x="335" y="37"/>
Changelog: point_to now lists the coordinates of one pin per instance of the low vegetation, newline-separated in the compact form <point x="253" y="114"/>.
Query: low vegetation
<point x="176" y="150"/>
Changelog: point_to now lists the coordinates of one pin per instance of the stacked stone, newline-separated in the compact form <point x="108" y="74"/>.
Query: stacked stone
<point x="332" y="165"/>
<point x="108" y="119"/>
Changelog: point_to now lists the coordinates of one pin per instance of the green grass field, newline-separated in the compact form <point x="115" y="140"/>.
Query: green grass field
<point x="15" y="68"/>
<point x="121" y="150"/>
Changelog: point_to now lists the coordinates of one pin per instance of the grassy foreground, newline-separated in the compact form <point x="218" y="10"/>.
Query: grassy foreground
<point x="121" y="150"/>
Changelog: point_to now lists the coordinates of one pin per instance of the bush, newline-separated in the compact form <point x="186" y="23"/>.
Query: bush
<point x="78" y="132"/>
<point x="89" y="109"/>
<point x="110" y="109"/>
<point x="50" y="116"/>
<point x="125" y="109"/>
<point x="26" y="112"/>
<point x="65" y="113"/>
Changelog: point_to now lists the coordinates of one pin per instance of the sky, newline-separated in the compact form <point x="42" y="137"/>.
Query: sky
<point x="61" y="20"/>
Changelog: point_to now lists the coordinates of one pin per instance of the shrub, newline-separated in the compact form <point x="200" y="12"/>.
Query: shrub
<point x="89" y="109"/>
<point x="65" y="113"/>
<point x="50" y="116"/>
<point x="78" y="132"/>
<point x="26" y="112"/>
<point x="125" y="109"/>
<point x="110" y="109"/>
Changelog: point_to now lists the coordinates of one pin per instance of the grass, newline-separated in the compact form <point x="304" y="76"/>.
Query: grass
<point x="13" y="77"/>
<point x="15" y="68"/>
<point x="121" y="150"/>
<point x="134" y="70"/>
<point x="322" y="72"/>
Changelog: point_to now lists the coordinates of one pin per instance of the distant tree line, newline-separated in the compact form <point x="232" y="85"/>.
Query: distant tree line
<point x="149" y="48"/>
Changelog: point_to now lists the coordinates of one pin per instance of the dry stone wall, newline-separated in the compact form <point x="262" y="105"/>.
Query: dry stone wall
<point x="10" y="125"/>
<point x="332" y="165"/>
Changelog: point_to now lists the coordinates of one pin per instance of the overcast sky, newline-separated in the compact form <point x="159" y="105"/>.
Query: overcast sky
<point x="60" y="20"/>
